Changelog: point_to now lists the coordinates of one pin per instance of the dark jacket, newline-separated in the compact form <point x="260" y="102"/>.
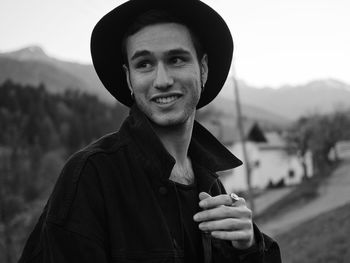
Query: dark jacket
<point x="113" y="202"/>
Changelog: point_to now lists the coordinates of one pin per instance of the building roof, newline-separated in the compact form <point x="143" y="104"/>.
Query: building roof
<point x="227" y="131"/>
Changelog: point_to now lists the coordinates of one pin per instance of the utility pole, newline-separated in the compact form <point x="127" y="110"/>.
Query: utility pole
<point x="243" y="141"/>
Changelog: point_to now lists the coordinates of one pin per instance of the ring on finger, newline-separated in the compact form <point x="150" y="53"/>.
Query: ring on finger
<point x="234" y="198"/>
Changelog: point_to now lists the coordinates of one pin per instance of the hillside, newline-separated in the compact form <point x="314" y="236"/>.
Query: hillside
<point x="319" y="240"/>
<point x="36" y="72"/>
<point x="266" y="119"/>
<point x="311" y="222"/>
<point x="32" y="65"/>
<point x="39" y="130"/>
<point x="319" y="96"/>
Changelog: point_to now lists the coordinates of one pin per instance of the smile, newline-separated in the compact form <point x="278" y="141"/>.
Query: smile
<point x="166" y="100"/>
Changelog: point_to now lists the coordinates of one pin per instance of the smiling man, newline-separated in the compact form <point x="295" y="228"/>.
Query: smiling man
<point x="164" y="74"/>
<point x="149" y="192"/>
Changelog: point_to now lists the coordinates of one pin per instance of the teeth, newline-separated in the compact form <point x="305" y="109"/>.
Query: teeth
<point x="166" y="99"/>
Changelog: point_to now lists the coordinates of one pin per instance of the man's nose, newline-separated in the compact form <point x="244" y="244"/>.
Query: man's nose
<point x="162" y="79"/>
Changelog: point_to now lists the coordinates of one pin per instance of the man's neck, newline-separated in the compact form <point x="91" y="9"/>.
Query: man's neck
<point x="176" y="140"/>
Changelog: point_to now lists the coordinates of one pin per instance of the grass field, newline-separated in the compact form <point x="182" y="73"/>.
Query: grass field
<point x="319" y="240"/>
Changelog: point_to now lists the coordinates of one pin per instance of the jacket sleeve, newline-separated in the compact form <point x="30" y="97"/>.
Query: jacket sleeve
<point x="266" y="250"/>
<point x="71" y="227"/>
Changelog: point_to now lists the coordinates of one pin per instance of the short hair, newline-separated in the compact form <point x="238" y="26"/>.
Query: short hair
<point x="159" y="16"/>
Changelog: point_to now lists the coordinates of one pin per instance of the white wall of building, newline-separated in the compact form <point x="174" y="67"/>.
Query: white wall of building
<point x="268" y="165"/>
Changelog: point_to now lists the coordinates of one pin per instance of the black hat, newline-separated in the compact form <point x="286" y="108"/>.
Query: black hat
<point x="208" y="25"/>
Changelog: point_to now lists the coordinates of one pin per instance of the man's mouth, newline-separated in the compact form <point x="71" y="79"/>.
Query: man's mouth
<point x="165" y="100"/>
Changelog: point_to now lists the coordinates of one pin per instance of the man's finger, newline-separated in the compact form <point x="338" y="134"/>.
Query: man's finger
<point x="222" y="212"/>
<point x="240" y="236"/>
<point x="203" y="195"/>
<point x="218" y="200"/>
<point x="228" y="224"/>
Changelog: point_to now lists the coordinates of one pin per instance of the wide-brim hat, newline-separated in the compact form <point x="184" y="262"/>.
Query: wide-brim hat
<point x="208" y="25"/>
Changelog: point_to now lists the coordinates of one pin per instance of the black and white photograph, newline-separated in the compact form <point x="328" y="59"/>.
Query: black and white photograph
<point x="206" y="131"/>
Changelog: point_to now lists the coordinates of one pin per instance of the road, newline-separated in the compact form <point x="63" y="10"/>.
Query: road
<point x="334" y="192"/>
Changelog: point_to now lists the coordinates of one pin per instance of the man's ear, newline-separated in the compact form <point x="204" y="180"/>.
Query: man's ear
<point x="204" y="69"/>
<point x="127" y="75"/>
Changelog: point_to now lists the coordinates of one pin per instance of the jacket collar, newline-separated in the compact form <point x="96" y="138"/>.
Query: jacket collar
<point x="205" y="150"/>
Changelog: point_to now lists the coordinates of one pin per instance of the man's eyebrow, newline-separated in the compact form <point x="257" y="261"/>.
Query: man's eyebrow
<point x="178" y="51"/>
<point x="172" y="52"/>
<point x="140" y="53"/>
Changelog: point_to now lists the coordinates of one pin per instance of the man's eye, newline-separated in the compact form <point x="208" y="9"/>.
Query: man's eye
<point x="177" y="60"/>
<point x="143" y="65"/>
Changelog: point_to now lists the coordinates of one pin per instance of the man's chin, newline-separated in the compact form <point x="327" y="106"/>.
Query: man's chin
<point x="168" y="121"/>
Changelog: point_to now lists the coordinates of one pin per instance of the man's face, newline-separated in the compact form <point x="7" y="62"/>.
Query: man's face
<point x="164" y="73"/>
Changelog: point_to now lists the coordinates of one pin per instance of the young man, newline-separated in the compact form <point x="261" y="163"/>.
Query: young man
<point x="149" y="193"/>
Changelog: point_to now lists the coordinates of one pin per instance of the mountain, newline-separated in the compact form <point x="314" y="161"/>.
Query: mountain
<point x="225" y="109"/>
<point x="32" y="65"/>
<point x="266" y="119"/>
<point x="319" y="96"/>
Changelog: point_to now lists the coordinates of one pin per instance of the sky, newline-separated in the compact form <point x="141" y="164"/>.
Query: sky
<point x="277" y="42"/>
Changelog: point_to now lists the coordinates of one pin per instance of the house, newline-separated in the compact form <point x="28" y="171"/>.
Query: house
<point x="270" y="164"/>
<point x="227" y="132"/>
<point x="341" y="150"/>
<point x="269" y="159"/>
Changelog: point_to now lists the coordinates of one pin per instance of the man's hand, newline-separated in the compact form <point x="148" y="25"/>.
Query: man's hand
<point x="226" y="219"/>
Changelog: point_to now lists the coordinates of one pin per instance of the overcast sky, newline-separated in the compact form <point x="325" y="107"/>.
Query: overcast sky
<point x="277" y="42"/>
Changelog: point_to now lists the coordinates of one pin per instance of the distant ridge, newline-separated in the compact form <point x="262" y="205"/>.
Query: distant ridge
<point x="31" y="65"/>
<point x="318" y="96"/>
<point x="27" y="53"/>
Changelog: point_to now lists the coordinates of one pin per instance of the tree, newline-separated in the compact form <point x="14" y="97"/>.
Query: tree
<point x="298" y="139"/>
<point x="12" y="169"/>
<point x="318" y="134"/>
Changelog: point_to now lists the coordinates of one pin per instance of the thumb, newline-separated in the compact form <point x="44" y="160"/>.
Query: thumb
<point x="203" y="195"/>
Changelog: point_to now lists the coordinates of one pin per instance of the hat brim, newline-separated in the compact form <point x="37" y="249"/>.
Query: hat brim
<point x="212" y="30"/>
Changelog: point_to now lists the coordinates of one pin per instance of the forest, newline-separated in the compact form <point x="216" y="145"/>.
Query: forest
<point x="39" y="131"/>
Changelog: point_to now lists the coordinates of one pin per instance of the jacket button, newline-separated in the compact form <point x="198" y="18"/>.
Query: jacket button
<point x="163" y="190"/>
